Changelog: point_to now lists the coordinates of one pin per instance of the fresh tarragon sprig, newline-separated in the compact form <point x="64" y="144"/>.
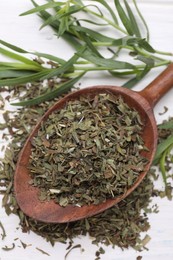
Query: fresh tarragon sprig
<point x="82" y="23"/>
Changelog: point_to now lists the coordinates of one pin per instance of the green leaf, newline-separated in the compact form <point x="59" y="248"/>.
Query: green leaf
<point x="134" y="42"/>
<point x="49" y="57"/>
<point x="14" y="74"/>
<point x="147" y="60"/>
<point x="162" y="162"/>
<point x="24" y="79"/>
<point x="12" y="47"/>
<point x="44" y="55"/>
<point x="64" y="26"/>
<point x="51" y="20"/>
<point x="93" y="34"/>
<point x="134" y="24"/>
<point x="145" y="45"/>
<point x="18" y="57"/>
<point x="142" y="19"/>
<point x="124" y="18"/>
<point x="167" y="125"/>
<point x="62" y="88"/>
<point x="40" y="8"/>
<point x="132" y="82"/>
<point x="108" y="63"/>
<point x="68" y="36"/>
<point x="162" y="147"/>
<point x="162" y="166"/>
<point x="63" y="18"/>
<point x="108" y="7"/>
<point x="68" y="66"/>
<point x="89" y="44"/>
<point x="138" y="42"/>
<point x="93" y="22"/>
<point x="18" y="65"/>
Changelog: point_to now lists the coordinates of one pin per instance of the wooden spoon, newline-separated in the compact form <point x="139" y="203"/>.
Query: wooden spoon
<point x="49" y="211"/>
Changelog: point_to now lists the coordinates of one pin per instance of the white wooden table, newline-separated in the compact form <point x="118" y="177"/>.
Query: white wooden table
<point x="23" y="32"/>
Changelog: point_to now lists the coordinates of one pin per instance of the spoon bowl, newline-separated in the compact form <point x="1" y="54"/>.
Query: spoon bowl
<point x="143" y="101"/>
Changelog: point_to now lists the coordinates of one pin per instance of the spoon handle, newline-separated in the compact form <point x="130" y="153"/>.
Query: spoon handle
<point x="159" y="86"/>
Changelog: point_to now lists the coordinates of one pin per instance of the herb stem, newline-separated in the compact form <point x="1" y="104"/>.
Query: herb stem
<point x="95" y="68"/>
<point x="165" y="62"/>
<point x="92" y="68"/>
<point x="3" y="231"/>
<point x="164" y="53"/>
<point x="116" y="26"/>
<point x="149" y="55"/>
<point x="141" y="51"/>
<point x="104" y="44"/>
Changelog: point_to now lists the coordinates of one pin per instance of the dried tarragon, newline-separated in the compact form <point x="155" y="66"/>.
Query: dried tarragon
<point x="121" y="226"/>
<point x="88" y="151"/>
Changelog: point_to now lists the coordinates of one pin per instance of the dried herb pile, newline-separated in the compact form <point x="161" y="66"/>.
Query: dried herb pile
<point x="119" y="226"/>
<point x="88" y="151"/>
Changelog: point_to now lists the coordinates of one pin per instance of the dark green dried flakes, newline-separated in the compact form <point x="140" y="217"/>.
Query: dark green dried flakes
<point x="88" y="151"/>
<point x="120" y="226"/>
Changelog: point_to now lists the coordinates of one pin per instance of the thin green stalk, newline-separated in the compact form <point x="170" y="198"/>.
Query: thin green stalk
<point x="143" y="20"/>
<point x="102" y="68"/>
<point x="82" y="62"/>
<point x="92" y="68"/>
<point x="160" y="64"/>
<point x="107" y="20"/>
<point x="139" y="50"/>
<point x="146" y="54"/>
<point x="103" y="44"/>
<point x="111" y="44"/>
<point x="164" y="53"/>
